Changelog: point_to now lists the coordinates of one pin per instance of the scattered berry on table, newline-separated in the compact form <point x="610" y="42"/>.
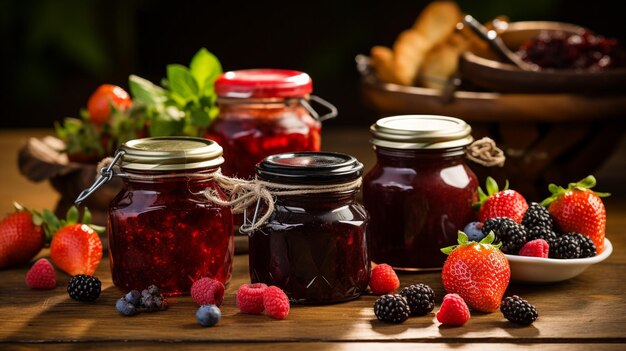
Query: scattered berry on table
<point x="587" y="247"/>
<point x="535" y="248"/>
<point x="125" y="308"/>
<point x="208" y="315"/>
<point x="474" y="231"/>
<point x="145" y="293"/>
<point x="495" y="203"/>
<point x="84" y="287"/>
<point x="453" y="311"/>
<point x="383" y="279"/>
<point x="41" y="275"/>
<point x="250" y="298"/>
<point x="565" y="247"/>
<point x="518" y="310"/>
<point x="20" y="238"/>
<point x="392" y="308"/>
<point x="207" y="291"/>
<point x="544" y="233"/>
<point x="537" y="216"/>
<point x="478" y="272"/>
<point x="153" y="289"/>
<point x="133" y="297"/>
<point x="508" y="232"/>
<point x="420" y="297"/>
<point x="276" y="302"/>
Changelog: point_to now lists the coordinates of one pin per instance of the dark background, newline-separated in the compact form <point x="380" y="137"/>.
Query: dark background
<point x="55" y="53"/>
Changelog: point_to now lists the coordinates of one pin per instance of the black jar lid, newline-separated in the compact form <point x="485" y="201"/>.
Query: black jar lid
<point x="309" y="168"/>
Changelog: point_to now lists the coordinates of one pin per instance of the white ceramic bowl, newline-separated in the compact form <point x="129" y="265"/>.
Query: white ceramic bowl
<point x="550" y="270"/>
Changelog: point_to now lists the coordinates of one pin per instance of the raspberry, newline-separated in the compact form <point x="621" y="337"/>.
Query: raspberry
<point x="41" y="276"/>
<point x="453" y="310"/>
<point x="518" y="310"/>
<point x="392" y="308"/>
<point x="207" y="291"/>
<point x="276" y="302"/>
<point x="383" y="279"/>
<point x="250" y="298"/>
<point x="535" y="248"/>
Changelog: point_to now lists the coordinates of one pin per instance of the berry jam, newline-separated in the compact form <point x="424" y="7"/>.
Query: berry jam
<point x="164" y="231"/>
<point x="262" y="113"/>
<point x="314" y="245"/>
<point x="586" y="51"/>
<point x="249" y="133"/>
<point x="420" y="192"/>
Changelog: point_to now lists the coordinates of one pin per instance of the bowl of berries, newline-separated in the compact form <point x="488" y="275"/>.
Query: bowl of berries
<point x="546" y="242"/>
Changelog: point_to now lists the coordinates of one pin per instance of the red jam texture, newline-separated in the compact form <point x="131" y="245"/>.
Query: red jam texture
<point x="417" y="201"/>
<point x="165" y="232"/>
<point x="248" y="134"/>
<point x="314" y="248"/>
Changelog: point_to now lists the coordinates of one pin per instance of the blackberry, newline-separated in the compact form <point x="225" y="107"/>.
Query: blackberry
<point x="565" y="246"/>
<point x="518" y="310"/>
<point x="391" y="308"/>
<point x="537" y="216"/>
<point x="587" y="247"/>
<point x="544" y="233"/>
<point x="84" y="287"/>
<point x="420" y="297"/>
<point x="508" y="232"/>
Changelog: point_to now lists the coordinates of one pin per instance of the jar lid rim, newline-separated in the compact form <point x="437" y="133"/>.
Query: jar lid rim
<point x="263" y="83"/>
<point x="421" y="132"/>
<point x="171" y="153"/>
<point x="309" y="167"/>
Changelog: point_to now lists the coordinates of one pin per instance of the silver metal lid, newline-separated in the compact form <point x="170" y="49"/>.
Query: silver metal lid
<point x="421" y="132"/>
<point x="171" y="153"/>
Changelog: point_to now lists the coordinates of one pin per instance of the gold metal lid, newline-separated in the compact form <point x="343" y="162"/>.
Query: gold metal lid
<point x="171" y="153"/>
<point x="421" y="132"/>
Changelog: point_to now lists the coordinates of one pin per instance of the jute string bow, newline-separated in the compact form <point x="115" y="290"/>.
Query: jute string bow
<point x="485" y="152"/>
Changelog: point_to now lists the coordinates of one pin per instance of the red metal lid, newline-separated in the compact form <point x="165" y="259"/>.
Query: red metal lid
<point x="263" y="83"/>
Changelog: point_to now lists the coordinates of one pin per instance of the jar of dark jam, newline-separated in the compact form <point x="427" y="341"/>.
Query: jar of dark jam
<point x="264" y="112"/>
<point x="420" y="192"/>
<point x="314" y="245"/>
<point x="162" y="229"/>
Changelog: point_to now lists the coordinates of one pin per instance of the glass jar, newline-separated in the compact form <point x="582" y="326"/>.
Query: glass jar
<point x="314" y="245"/>
<point x="264" y="112"/>
<point x="420" y="192"/>
<point x="162" y="229"/>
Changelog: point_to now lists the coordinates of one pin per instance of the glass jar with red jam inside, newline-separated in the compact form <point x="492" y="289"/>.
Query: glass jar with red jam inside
<point x="264" y="112"/>
<point x="162" y="228"/>
<point x="420" y="192"/>
<point x="314" y="244"/>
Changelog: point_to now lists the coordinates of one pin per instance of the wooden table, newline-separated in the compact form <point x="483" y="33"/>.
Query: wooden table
<point x="585" y="313"/>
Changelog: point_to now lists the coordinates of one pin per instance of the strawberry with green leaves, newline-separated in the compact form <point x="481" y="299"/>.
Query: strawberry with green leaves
<point x="500" y="203"/>
<point x="21" y="237"/>
<point x="579" y="209"/>
<point x="478" y="272"/>
<point x="75" y="246"/>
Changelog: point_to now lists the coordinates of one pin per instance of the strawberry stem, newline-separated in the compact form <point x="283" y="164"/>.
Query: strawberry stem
<point x="463" y="240"/>
<point x="583" y="185"/>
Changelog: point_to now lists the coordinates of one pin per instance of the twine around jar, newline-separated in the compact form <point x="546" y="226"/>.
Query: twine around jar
<point x="242" y="194"/>
<point x="485" y="152"/>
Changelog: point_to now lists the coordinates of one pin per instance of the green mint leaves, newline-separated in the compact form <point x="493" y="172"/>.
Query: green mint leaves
<point x="185" y="105"/>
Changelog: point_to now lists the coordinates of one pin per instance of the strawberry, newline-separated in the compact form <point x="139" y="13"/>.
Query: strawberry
<point x="500" y="203"/>
<point x="100" y="102"/>
<point x="579" y="209"/>
<point x="21" y="237"/>
<point x="75" y="248"/>
<point x="478" y="272"/>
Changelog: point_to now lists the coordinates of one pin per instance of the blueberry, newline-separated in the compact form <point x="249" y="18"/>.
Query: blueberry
<point x="208" y="315"/>
<point x="145" y="293"/>
<point x="474" y="231"/>
<point x="153" y="290"/>
<point x="133" y="297"/>
<point x="125" y="308"/>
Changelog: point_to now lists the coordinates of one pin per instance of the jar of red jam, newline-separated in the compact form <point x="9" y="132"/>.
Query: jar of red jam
<point x="420" y="192"/>
<point x="264" y="112"/>
<point x="314" y="244"/>
<point x="162" y="229"/>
